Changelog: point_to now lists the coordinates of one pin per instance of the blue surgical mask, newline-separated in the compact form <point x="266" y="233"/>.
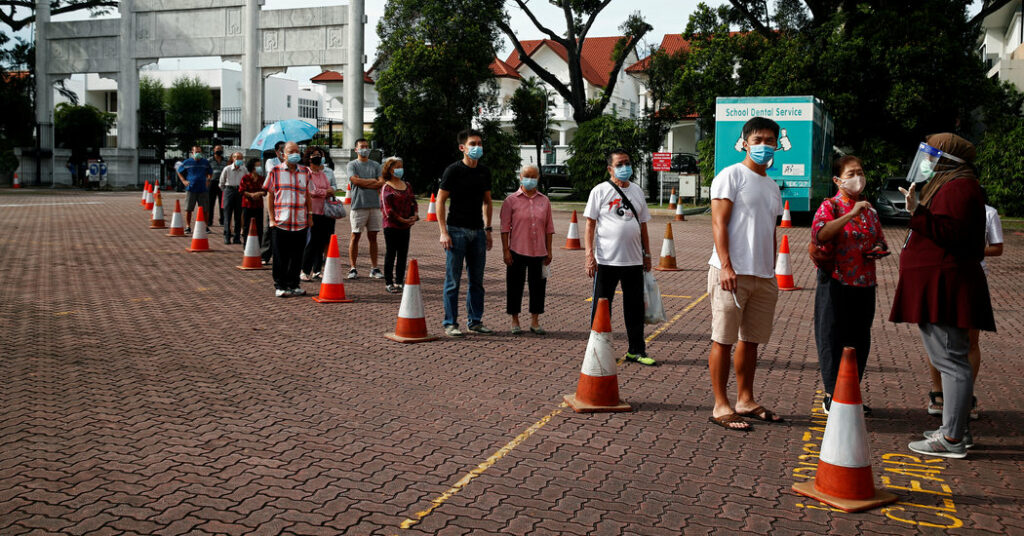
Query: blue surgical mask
<point x="623" y="173"/>
<point x="475" y="152"/>
<point x="238" y="163"/>
<point x="529" y="183"/>
<point x="398" y="172"/>
<point x="294" y="158"/>
<point x="761" y="154"/>
<point x="364" y="153"/>
<point x="258" y="170"/>
<point x="197" y="156"/>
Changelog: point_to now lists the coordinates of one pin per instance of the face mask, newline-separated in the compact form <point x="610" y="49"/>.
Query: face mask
<point x="854" y="185"/>
<point x="197" y="156"/>
<point x="258" y="170"/>
<point x="294" y="158"/>
<point x="529" y="183"/>
<point x="927" y="169"/>
<point x="761" y="154"/>
<point x="218" y="153"/>
<point x="238" y="163"/>
<point x="316" y="160"/>
<point x="623" y="173"/>
<point x="475" y="152"/>
<point x="363" y="153"/>
<point x="398" y="172"/>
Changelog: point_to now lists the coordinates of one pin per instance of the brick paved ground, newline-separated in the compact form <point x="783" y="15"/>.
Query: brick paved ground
<point x="148" y="390"/>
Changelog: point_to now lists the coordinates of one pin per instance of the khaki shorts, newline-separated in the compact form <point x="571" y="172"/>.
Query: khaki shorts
<point x="752" y="321"/>
<point x="370" y="218"/>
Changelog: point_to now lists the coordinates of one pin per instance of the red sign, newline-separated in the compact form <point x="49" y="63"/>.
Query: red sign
<point x="662" y="161"/>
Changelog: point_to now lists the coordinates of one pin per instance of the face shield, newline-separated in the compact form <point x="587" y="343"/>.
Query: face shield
<point x="928" y="162"/>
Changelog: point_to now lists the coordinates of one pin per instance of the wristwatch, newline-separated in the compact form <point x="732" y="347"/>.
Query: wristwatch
<point x="488" y="229"/>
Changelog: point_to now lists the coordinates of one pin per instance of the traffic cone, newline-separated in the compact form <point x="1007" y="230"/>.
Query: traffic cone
<point x="432" y="209"/>
<point x="17" y="183"/>
<point x="251" y="259"/>
<point x="145" y="189"/>
<point x="843" y="478"/>
<point x="787" y="218"/>
<point x="783" y="271"/>
<point x="679" y="213"/>
<point x="149" y="198"/>
<point x="572" y="240"/>
<point x="672" y="200"/>
<point x="348" y="195"/>
<point x="411" y="325"/>
<point x="598" y="388"/>
<point x="177" y="226"/>
<point x="332" y="290"/>
<point x="667" y="262"/>
<point x="199" y="240"/>
<point x="156" y="221"/>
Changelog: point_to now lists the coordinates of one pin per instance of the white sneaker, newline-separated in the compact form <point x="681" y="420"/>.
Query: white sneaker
<point x="375" y="273"/>
<point x="352" y="274"/>
<point x="297" y="292"/>
<point x="282" y="293"/>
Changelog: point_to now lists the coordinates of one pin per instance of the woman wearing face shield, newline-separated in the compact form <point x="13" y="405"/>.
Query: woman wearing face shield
<point x="848" y="228"/>
<point x="942" y="286"/>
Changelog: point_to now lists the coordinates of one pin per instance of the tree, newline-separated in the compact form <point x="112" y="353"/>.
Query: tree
<point x="1001" y="165"/>
<point x="660" y="72"/>
<point x="501" y="156"/>
<point x="188" y="106"/>
<point x="579" y="18"/>
<point x="590" y="147"/>
<point x="152" y="131"/>
<point x="9" y="10"/>
<point x="16" y="92"/>
<point x="81" y="127"/>
<point x="434" y="78"/>
<point x="531" y="110"/>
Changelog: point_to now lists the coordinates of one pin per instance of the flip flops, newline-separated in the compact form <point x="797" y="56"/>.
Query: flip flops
<point x="726" y="420"/>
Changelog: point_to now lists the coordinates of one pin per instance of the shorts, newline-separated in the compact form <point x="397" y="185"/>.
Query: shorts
<point x="192" y="198"/>
<point x="370" y="218"/>
<point x="752" y="321"/>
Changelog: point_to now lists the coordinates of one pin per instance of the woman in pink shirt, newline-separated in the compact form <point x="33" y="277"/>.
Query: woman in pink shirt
<point x="526" y="231"/>
<point x="323" y="226"/>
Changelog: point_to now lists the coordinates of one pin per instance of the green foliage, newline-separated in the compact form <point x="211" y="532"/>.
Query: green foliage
<point x="188" y="102"/>
<point x="662" y="70"/>
<point x="81" y="127"/>
<point x="531" y="109"/>
<point x="1001" y="165"/>
<point x="152" y="128"/>
<point x="434" y="58"/>
<point x="16" y="92"/>
<point x="501" y="156"/>
<point x="589" y="149"/>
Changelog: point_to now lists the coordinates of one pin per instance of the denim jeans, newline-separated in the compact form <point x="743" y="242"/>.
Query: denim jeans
<point x="469" y="245"/>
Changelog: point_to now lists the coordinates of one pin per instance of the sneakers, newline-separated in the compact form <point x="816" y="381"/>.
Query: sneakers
<point x="452" y="330"/>
<point x="641" y="358"/>
<point x="297" y="292"/>
<point x="392" y="289"/>
<point x="188" y="230"/>
<point x="938" y="446"/>
<point x="352" y="274"/>
<point x="282" y="293"/>
<point x="375" y="273"/>
<point x="480" y="328"/>
<point x="935" y="403"/>
<point x="967" y="440"/>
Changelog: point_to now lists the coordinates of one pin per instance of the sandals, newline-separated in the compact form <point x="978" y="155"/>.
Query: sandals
<point x="725" y="421"/>
<point x="761" y="414"/>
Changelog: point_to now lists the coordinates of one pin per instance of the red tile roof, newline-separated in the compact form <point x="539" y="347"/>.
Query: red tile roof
<point x="595" y="61"/>
<point x="335" y="76"/>
<point x="670" y="43"/>
<point x="503" y="70"/>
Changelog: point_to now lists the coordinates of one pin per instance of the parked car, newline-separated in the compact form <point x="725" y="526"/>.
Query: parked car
<point x="890" y="204"/>
<point x="685" y="163"/>
<point x="555" y="179"/>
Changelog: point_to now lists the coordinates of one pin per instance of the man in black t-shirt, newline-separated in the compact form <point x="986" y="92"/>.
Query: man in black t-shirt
<point x="465" y="232"/>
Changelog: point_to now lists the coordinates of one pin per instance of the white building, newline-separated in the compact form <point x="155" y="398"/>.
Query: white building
<point x="1001" y="44"/>
<point x="682" y="135"/>
<point x="332" y="84"/>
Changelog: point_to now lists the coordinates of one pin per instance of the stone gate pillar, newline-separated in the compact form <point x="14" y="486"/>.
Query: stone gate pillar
<point x="252" y="74"/>
<point x="123" y="161"/>
<point x="354" y="74"/>
<point x="44" y="98"/>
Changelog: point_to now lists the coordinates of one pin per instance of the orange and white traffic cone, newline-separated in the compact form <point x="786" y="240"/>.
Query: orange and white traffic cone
<point x="348" y="195"/>
<point x="145" y="188"/>
<point x="672" y="199"/>
<point x="572" y="240"/>
<point x="251" y="259"/>
<point x="177" y="224"/>
<point x="432" y="209"/>
<point x="17" y="183"/>
<point x="667" y="262"/>
<point x="598" y="388"/>
<point x="332" y="290"/>
<point x="412" y="324"/>
<point x="787" y="218"/>
<point x="156" y="221"/>
<point x="783" y="271"/>
<point x="149" y="198"/>
<point x="680" y="216"/>
<point x="843" y="478"/>
<point x="199" y="240"/>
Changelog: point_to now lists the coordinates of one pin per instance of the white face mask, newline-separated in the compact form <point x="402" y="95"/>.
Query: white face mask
<point x="854" y="185"/>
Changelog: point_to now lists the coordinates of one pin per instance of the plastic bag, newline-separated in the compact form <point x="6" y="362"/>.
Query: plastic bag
<point x="654" y="311"/>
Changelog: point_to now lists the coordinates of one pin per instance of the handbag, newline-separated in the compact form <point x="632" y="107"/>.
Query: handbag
<point x="334" y="208"/>
<point x="823" y="255"/>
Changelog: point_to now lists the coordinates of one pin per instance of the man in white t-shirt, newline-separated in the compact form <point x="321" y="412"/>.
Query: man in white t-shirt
<point x="741" y="280"/>
<point x="618" y="249"/>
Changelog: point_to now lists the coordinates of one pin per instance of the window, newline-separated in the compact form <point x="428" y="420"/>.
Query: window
<point x="111" y="101"/>
<point x="288" y="101"/>
<point x="632" y="109"/>
<point x="308" y="108"/>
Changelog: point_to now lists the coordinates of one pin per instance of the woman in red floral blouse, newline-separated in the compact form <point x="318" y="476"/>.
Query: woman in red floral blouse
<point x="844" y="302"/>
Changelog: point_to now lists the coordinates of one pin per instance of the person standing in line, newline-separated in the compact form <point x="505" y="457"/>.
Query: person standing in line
<point x="617" y="248"/>
<point x="195" y="173"/>
<point x="230" y="178"/>
<point x="323" y="226"/>
<point x="364" y="175"/>
<point x="271" y="159"/>
<point x="742" y="288"/>
<point x="465" y="232"/>
<point x="250" y="189"/>
<point x="214" y="201"/>
<point x="290" y="208"/>
<point x="526" y="231"/>
<point x="400" y="211"/>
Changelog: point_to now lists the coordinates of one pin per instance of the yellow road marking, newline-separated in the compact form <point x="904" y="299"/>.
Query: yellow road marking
<point x="65" y="313"/>
<point x="136" y="300"/>
<point x="479" y="469"/>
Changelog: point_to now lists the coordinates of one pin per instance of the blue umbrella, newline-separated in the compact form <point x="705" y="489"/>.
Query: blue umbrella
<point x="286" y="130"/>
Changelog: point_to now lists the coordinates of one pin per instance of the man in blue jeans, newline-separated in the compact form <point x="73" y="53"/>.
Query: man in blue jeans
<point x="465" y="232"/>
